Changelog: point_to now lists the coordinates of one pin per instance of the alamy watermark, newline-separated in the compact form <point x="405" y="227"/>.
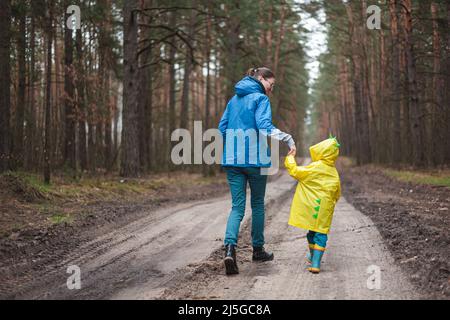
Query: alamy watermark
<point x="74" y="280"/>
<point x="374" y="20"/>
<point x="74" y="20"/>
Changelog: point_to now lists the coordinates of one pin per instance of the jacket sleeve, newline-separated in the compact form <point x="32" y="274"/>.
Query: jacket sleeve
<point x="263" y="117"/>
<point x="295" y="171"/>
<point x="223" y="124"/>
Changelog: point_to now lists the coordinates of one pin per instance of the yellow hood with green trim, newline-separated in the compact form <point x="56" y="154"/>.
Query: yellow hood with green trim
<point x="326" y="151"/>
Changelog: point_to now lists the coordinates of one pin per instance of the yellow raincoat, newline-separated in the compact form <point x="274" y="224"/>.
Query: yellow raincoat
<point x="318" y="188"/>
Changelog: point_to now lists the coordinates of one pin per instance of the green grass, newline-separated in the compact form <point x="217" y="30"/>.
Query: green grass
<point x="421" y="177"/>
<point x="99" y="187"/>
<point x="59" y="218"/>
<point x="33" y="180"/>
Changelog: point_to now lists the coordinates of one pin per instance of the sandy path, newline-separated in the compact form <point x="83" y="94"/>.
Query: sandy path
<point x="136" y="261"/>
<point x="354" y="245"/>
<point x="146" y="258"/>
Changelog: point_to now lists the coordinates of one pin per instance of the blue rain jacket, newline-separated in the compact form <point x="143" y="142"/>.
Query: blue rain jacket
<point x="245" y="125"/>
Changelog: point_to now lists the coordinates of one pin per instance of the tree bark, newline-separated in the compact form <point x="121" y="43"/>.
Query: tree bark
<point x="5" y="82"/>
<point x="447" y="83"/>
<point x="130" y="133"/>
<point x="413" y="98"/>
<point x="81" y="103"/>
<point x="145" y="91"/>
<point x="31" y="113"/>
<point x="208" y="170"/>
<point x="69" y="145"/>
<point x="184" y="115"/>
<point x="48" y="110"/>
<point x="438" y="92"/>
<point x="279" y="39"/>
<point x="361" y="117"/>
<point x="396" y="149"/>
<point x="20" y="107"/>
<point x="172" y="84"/>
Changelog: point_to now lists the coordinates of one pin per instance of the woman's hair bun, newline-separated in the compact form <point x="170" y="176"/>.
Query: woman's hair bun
<point x="262" y="71"/>
<point x="251" y="72"/>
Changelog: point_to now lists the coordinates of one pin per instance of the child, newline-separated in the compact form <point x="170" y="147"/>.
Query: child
<point x="318" y="190"/>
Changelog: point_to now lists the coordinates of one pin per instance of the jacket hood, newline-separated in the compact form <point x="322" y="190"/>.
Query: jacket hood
<point x="327" y="151"/>
<point x="247" y="86"/>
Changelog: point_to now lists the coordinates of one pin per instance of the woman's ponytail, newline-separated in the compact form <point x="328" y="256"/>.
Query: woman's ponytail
<point x="251" y="72"/>
<point x="263" y="71"/>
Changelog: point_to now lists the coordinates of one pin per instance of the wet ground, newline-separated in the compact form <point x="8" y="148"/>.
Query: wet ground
<point x="414" y="221"/>
<point x="172" y="248"/>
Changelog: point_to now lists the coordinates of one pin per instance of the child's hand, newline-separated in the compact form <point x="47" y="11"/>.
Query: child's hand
<point x="292" y="152"/>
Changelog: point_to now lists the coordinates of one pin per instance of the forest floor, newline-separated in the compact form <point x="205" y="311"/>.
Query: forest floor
<point x="40" y="224"/>
<point x="160" y="237"/>
<point x="397" y="220"/>
<point x="412" y="212"/>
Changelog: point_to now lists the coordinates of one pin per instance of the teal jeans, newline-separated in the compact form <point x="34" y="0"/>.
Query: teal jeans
<point x="237" y="180"/>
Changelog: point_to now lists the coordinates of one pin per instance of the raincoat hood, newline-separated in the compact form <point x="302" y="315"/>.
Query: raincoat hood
<point x="326" y="151"/>
<point x="247" y="86"/>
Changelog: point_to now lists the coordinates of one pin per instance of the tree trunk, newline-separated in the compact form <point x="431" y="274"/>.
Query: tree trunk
<point x="367" y="102"/>
<point x="231" y="59"/>
<point x="383" y="138"/>
<point x="57" y="121"/>
<point x="108" y="124"/>
<point x="130" y="133"/>
<point x="279" y="39"/>
<point x="142" y="110"/>
<point x="438" y="92"/>
<point x="5" y="82"/>
<point x="47" y="141"/>
<point x="69" y="145"/>
<point x="361" y="117"/>
<point x="81" y="103"/>
<point x="396" y="149"/>
<point x="413" y="98"/>
<point x="20" y="107"/>
<point x="31" y="114"/>
<point x="208" y="170"/>
<point x="447" y="85"/>
<point x="172" y="84"/>
<point x="105" y="134"/>
<point x="116" y="129"/>
<point x="184" y="116"/>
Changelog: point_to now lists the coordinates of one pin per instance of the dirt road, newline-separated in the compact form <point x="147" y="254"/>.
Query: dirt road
<point x="176" y="253"/>
<point x="354" y="246"/>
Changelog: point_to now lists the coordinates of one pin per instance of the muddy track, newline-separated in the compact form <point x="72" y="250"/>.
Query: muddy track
<point x="176" y="253"/>
<point x="139" y="259"/>
<point x="413" y="220"/>
<point x="355" y="245"/>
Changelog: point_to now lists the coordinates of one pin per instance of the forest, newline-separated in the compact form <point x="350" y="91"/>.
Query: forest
<point x="106" y="96"/>
<point x="386" y="92"/>
<point x="93" y="205"/>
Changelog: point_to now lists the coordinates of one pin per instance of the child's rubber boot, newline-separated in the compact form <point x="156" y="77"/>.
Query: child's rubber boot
<point x="316" y="259"/>
<point x="310" y="253"/>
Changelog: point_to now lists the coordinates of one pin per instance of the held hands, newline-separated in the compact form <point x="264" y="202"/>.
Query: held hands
<point x="292" y="152"/>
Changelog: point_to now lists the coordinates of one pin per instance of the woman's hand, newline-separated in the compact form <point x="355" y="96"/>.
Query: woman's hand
<point x="293" y="151"/>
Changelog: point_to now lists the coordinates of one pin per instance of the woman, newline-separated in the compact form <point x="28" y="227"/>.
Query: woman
<point x="249" y="110"/>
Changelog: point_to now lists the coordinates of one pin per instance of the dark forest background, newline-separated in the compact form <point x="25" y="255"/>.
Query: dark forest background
<point x="106" y="97"/>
